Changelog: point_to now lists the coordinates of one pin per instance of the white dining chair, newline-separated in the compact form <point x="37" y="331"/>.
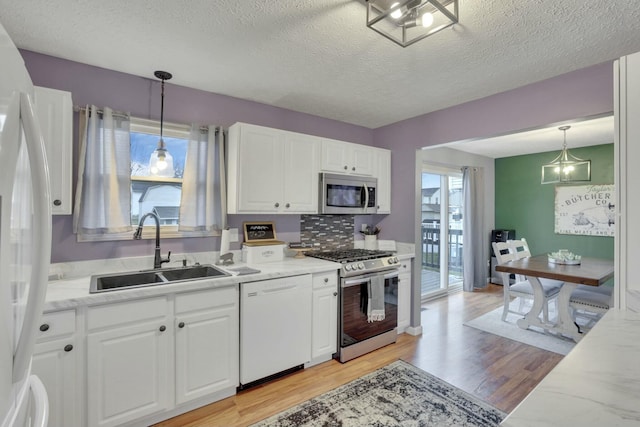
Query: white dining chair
<point x="521" y="288"/>
<point x="590" y="303"/>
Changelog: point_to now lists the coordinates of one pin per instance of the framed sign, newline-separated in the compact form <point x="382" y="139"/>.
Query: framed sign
<point x="585" y="209"/>
<point x="260" y="233"/>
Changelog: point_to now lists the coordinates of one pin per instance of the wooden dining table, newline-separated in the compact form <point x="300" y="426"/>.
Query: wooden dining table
<point x="590" y="271"/>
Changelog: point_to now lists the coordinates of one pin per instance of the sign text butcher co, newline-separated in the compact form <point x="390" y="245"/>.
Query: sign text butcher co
<point x="585" y="209"/>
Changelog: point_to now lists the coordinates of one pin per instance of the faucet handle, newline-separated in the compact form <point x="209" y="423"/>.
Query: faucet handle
<point x="167" y="259"/>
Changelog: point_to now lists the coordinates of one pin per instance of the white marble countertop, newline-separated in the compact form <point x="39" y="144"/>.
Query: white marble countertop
<point x="596" y="384"/>
<point x="72" y="289"/>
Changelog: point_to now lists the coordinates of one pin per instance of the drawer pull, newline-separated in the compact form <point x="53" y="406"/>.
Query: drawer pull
<point x="163" y="328"/>
<point x="335" y="294"/>
<point x="68" y="348"/>
<point x="326" y="280"/>
<point x="57" y="202"/>
<point x="181" y="325"/>
<point x="44" y="327"/>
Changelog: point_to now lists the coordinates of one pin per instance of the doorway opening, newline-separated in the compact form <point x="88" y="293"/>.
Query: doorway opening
<point x="441" y="232"/>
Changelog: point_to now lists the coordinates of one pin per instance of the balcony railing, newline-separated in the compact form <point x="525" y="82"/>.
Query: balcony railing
<point x="432" y="246"/>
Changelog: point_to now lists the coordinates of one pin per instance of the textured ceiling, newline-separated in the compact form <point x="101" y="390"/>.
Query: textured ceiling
<point x="318" y="57"/>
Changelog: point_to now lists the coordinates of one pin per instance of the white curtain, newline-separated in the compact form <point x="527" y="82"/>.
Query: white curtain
<point x="203" y="203"/>
<point x="475" y="252"/>
<point x="103" y="198"/>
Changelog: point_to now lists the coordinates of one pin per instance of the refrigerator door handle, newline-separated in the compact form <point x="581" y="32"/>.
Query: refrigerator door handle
<point x="41" y="231"/>
<point x="40" y="403"/>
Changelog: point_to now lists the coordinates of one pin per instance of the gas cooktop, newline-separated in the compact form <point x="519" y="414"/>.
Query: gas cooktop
<point x="358" y="261"/>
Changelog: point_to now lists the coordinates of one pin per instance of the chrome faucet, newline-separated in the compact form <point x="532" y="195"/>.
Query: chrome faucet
<point x="157" y="259"/>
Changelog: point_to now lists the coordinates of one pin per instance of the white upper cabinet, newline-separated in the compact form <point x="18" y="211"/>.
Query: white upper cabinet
<point x="383" y="173"/>
<point x="55" y="114"/>
<point x="347" y="158"/>
<point x="271" y="170"/>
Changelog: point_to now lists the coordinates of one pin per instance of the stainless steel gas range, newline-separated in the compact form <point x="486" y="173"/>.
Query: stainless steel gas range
<point x="368" y="300"/>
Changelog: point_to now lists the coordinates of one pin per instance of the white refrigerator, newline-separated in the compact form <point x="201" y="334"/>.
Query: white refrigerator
<point x="25" y="241"/>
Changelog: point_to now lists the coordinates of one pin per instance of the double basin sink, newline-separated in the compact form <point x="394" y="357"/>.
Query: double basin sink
<point x="138" y="279"/>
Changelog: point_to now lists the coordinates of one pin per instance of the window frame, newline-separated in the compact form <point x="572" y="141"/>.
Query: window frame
<point x="152" y="127"/>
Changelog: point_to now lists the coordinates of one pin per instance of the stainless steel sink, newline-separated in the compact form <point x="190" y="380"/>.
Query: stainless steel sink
<point x="138" y="279"/>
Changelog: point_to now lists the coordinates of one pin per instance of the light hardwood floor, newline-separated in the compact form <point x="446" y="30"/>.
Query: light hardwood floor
<point x="497" y="370"/>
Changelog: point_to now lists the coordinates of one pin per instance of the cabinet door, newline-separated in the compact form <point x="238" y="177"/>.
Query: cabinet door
<point x="383" y="173"/>
<point x="404" y="297"/>
<point x="128" y="372"/>
<point x="324" y="323"/>
<point x="300" y="173"/>
<point x="207" y="351"/>
<point x="362" y="159"/>
<point x="55" y="115"/>
<point x="56" y="364"/>
<point x="334" y="156"/>
<point x="260" y="172"/>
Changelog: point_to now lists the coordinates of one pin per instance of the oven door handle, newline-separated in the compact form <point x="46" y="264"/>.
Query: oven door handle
<point x="356" y="281"/>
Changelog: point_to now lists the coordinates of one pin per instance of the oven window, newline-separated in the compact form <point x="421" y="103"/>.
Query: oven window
<point x="355" y="327"/>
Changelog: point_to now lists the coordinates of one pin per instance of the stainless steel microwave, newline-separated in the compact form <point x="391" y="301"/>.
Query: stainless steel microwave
<point x="347" y="194"/>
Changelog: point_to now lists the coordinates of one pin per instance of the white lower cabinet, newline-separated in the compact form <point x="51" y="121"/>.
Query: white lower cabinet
<point x="55" y="361"/>
<point x="207" y="344"/>
<point x="404" y="296"/>
<point x="324" y="324"/>
<point x="129" y="373"/>
<point x="147" y="358"/>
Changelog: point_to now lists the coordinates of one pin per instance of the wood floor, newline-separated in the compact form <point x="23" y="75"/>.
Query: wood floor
<point x="497" y="370"/>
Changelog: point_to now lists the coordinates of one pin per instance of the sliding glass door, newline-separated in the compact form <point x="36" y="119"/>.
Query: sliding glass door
<point x="441" y="231"/>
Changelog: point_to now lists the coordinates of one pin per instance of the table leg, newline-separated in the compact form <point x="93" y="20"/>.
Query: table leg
<point x="533" y="316"/>
<point x="565" y="324"/>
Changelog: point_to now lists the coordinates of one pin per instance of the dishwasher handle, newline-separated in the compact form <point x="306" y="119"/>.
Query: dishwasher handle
<point x="266" y="291"/>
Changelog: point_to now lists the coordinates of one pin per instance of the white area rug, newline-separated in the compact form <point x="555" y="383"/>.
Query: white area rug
<point x="492" y="323"/>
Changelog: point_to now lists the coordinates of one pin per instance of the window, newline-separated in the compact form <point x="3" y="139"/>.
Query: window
<point x="149" y="193"/>
<point x="116" y="188"/>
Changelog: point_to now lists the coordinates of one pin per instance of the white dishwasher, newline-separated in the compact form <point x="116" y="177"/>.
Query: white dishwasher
<point x="275" y="326"/>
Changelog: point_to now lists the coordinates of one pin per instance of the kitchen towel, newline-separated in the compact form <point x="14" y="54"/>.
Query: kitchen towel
<point x="375" y="307"/>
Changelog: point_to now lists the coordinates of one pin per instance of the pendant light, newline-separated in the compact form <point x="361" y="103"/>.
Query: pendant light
<point x="161" y="161"/>
<point x="566" y="168"/>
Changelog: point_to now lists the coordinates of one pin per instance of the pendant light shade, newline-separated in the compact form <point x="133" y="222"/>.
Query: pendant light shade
<point x="566" y="168"/>
<point x="161" y="161"/>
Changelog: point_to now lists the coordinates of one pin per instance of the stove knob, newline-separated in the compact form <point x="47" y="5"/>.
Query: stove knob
<point x="361" y="266"/>
<point x="347" y="267"/>
<point x="391" y="260"/>
<point x="396" y="260"/>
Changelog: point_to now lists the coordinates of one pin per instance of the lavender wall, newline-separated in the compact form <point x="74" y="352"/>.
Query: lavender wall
<point x="141" y="97"/>
<point x="577" y="94"/>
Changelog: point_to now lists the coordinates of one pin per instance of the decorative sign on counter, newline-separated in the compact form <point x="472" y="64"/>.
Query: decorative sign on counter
<point x="585" y="209"/>
<point x="260" y="233"/>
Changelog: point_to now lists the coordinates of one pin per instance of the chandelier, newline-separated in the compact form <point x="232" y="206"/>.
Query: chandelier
<point x="566" y="168"/>
<point x="407" y="21"/>
<point x="161" y="161"/>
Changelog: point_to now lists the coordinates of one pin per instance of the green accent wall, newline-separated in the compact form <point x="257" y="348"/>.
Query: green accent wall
<point x="525" y="205"/>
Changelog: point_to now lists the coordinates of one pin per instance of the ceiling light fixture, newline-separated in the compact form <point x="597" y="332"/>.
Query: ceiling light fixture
<point x="405" y="22"/>
<point x="566" y="168"/>
<point x="161" y="161"/>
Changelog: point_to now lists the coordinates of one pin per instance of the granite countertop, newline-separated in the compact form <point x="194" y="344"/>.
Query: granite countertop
<point x="596" y="384"/>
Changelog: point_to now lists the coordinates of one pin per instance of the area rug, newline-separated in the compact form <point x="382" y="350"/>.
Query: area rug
<point x="397" y="395"/>
<point x="492" y="323"/>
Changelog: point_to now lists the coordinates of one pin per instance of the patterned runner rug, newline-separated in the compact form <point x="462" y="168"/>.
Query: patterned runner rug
<point x="397" y="395"/>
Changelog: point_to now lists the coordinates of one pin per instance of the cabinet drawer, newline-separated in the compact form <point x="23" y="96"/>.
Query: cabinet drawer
<point x="202" y="300"/>
<point x="325" y="280"/>
<point x="126" y="312"/>
<point x="57" y="324"/>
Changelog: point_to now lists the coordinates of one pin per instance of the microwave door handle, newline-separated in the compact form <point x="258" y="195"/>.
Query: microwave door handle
<point x="366" y="197"/>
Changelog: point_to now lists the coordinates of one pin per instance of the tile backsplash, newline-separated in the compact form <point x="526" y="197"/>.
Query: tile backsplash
<point x="327" y="232"/>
